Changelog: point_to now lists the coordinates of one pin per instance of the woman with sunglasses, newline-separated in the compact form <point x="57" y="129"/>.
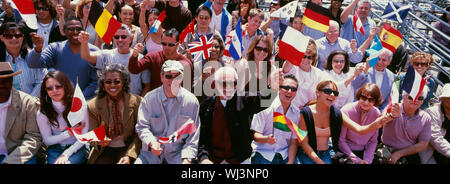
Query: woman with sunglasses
<point x="116" y="108"/>
<point x="55" y="102"/>
<point x="126" y="16"/>
<point x="14" y="49"/>
<point x="421" y="62"/>
<point x="359" y="149"/>
<point x="322" y="121"/>
<point x="338" y="65"/>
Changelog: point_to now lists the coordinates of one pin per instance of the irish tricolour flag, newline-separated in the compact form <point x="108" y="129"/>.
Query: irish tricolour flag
<point x="283" y="123"/>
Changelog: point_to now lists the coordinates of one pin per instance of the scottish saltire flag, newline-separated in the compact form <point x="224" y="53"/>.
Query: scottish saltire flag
<point x="283" y="123"/>
<point x="187" y="128"/>
<point x="374" y="51"/>
<point x="395" y="11"/>
<point x="162" y="16"/>
<point x="26" y="11"/>
<point x="413" y="83"/>
<point x="201" y="48"/>
<point x="234" y="44"/>
<point x="287" y="11"/>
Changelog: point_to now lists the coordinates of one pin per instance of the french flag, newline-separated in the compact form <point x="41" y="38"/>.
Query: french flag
<point x="98" y="134"/>
<point x="234" y="45"/>
<point x="78" y="111"/>
<point x="293" y="46"/>
<point x="357" y="24"/>
<point x="26" y="10"/>
<point x="187" y="128"/>
<point x="413" y="83"/>
<point x="162" y="16"/>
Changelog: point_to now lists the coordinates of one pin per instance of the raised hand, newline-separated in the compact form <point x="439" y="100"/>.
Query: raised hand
<point x="38" y="41"/>
<point x="83" y="37"/>
<point x="138" y="48"/>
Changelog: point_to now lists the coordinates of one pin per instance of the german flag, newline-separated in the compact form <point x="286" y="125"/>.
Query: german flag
<point x="104" y="23"/>
<point x="390" y="38"/>
<point x="316" y="17"/>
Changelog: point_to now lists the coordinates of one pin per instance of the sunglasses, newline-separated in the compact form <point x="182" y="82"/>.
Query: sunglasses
<point x="338" y="61"/>
<point x="10" y="36"/>
<point x="365" y="98"/>
<point x="420" y="64"/>
<point x="51" y="88"/>
<point x="328" y="91"/>
<point x="72" y="29"/>
<point x="109" y="82"/>
<point x="287" y="88"/>
<point x="168" y="44"/>
<point x="42" y="8"/>
<point x="420" y="98"/>
<point x="120" y="36"/>
<point x="307" y="57"/>
<point x="168" y="76"/>
<point x="258" y="48"/>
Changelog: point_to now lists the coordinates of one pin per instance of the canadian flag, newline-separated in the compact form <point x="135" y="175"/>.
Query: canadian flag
<point x="78" y="111"/>
<point x="357" y="24"/>
<point x="187" y="128"/>
<point x="97" y="134"/>
<point x="394" y="98"/>
<point x="293" y="46"/>
<point x="26" y="10"/>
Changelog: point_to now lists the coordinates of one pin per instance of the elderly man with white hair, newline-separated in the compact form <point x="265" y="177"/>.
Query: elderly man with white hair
<point x="407" y="134"/>
<point x="225" y="135"/>
<point x="378" y="75"/>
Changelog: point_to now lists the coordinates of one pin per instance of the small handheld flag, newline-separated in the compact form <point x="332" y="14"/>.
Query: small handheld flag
<point x="104" y="23"/>
<point x="413" y="83"/>
<point x="357" y="24"/>
<point x="201" y="48"/>
<point x="287" y="11"/>
<point x="234" y="46"/>
<point x="293" y="46"/>
<point x="374" y="51"/>
<point x="395" y="11"/>
<point x="162" y="16"/>
<point x="316" y="17"/>
<point x="284" y="124"/>
<point x="189" y="29"/>
<point x="97" y="134"/>
<point x="187" y="128"/>
<point x="78" y="110"/>
<point x="390" y="38"/>
<point x="26" y="10"/>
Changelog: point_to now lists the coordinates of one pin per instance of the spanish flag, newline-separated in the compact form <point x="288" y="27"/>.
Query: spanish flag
<point x="316" y="17"/>
<point x="390" y="38"/>
<point x="283" y="123"/>
<point x="104" y="23"/>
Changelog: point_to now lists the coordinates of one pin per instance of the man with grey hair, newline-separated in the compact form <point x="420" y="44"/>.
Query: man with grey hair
<point x="362" y="10"/>
<point x="407" y="134"/>
<point x="225" y="135"/>
<point x="140" y="83"/>
<point x="163" y="111"/>
<point x="378" y="75"/>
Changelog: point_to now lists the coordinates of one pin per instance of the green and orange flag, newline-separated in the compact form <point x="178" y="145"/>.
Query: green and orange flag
<point x="283" y="123"/>
<point x="316" y="17"/>
<point x="104" y="23"/>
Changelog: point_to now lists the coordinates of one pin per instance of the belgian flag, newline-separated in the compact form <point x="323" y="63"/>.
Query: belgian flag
<point x="316" y="17"/>
<point x="104" y="23"/>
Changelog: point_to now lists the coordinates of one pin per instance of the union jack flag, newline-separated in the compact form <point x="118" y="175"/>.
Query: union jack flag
<point x="200" y="49"/>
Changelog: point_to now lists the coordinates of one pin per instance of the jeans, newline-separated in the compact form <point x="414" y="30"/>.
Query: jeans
<point x="259" y="159"/>
<point x="54" y="151"/>
<point x="325" y="156"/>
<point x="33" y="160"/>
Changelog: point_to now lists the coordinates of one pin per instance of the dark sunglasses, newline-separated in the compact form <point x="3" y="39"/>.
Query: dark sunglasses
<point x="258" y="48"/>
<point x="365" y="98"/>
<point x="287" y="88"/>
<point x="57" y="87"/>
<point x="72" y="29"/>
<point x="120" y="36"/>
<point x="168" y="44"/>
<point x="116" y="82"/>
<point x="308" y="57"/>
<point x="328" y="91"/>
<point x="420" y="64"/>
<point x="420" y="98"/>
<point x="42" y="8"/>
<point x="171" y="76"/>
<point x="10" y="36"/>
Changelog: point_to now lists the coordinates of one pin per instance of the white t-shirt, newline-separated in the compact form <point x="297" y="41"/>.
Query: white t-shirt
<point x="379" y="77"/>
<point x="44" y="31"/>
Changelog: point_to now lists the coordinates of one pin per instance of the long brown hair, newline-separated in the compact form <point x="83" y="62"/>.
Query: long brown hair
<point x="46" y="107"/>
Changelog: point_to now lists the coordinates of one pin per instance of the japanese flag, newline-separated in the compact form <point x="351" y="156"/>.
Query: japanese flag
<point x="78" y="111"/>
<point x="187" y="128"/>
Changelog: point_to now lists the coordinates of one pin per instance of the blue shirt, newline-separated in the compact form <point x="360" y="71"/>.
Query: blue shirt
<point x="313" y="33"/>
<point x="30" y="80"/>
<point x="349" y="33"/>
<point x="59" y="56"/>
<point x="324" y="48"/>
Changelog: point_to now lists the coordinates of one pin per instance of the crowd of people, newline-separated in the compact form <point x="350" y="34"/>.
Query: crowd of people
<point x="146" y="86"/>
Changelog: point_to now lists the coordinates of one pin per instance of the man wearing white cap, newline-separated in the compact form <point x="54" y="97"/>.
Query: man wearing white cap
<point x="161" y="113"/>
<point x="438" y="151"/>
<point x="20" y="139"/>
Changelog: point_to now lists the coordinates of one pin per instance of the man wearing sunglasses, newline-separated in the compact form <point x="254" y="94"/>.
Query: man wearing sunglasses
<point x="378" y="75"/>
<point x="140" y="83"/>
<point x="153" y="61"/>
<point x="65" y="57"/>
<point x="225" y="136"/>
<point x="20" y="139"/>
<point x="409" y="131"/>
<point x="162" y="112"/>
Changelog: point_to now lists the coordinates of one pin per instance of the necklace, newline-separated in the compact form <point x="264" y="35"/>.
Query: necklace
<point x="45" y="28"/>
